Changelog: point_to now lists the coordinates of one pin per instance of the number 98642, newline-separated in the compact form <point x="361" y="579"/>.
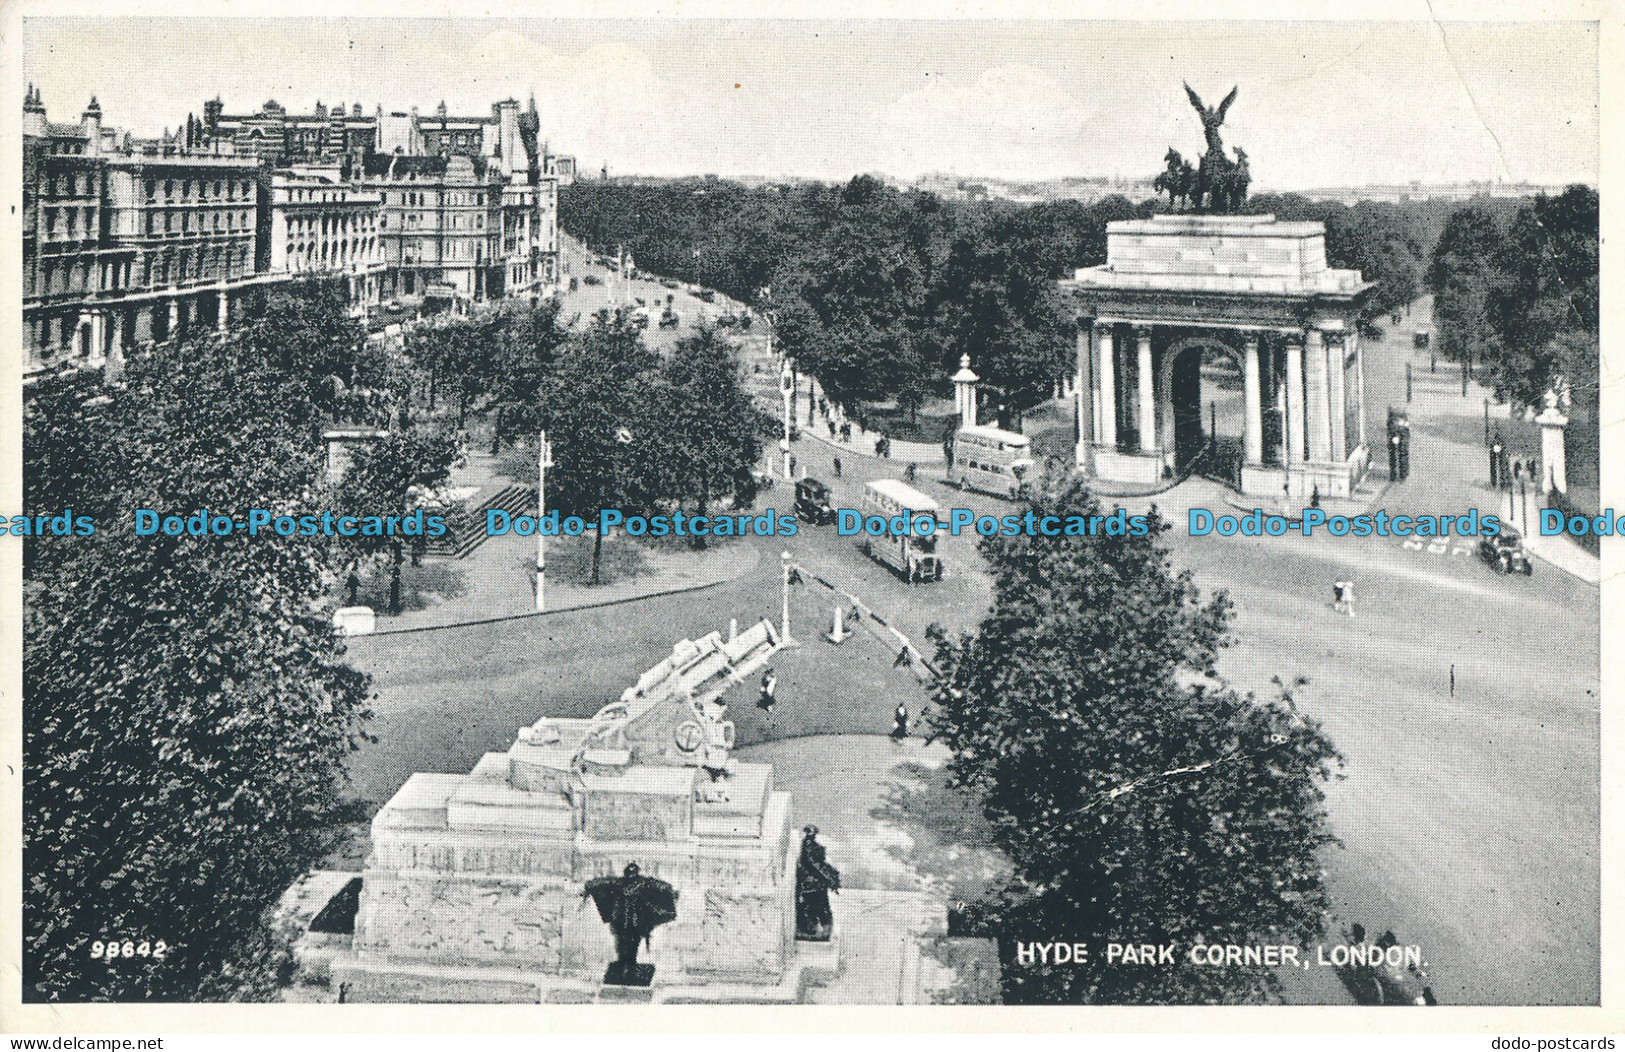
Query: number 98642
<point x="114" y="949"/>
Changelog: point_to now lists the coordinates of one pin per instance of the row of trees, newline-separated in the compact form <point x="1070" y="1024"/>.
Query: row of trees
<point x="878" y="291"/>
<point x="1516" y="292"/>
<point x="630" y="429"/>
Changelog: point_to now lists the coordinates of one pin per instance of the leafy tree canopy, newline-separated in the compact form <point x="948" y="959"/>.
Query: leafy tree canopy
<point x="186" y="707"/>
<point x="1137" y="802"/>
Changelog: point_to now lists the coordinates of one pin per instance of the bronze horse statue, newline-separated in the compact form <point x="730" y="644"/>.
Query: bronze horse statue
<point x="1178" y="180"/>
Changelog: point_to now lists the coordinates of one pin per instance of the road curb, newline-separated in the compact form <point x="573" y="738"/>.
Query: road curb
<point x="562" y="610"/>
<point x="856" y="452"/>
<point x="1539" y="554"/>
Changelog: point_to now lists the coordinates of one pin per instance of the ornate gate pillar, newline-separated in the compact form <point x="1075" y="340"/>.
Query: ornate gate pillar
<point x="1294" y="399"/>
<point x="1082" y="390"/>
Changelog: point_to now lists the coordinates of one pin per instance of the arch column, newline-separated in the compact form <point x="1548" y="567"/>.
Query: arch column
<point x="1147" y="390"/>
<point x="1316" y="382"/>
<point x="1359" y="385"/>
<point x="1108" y="387"/>
<point x="1254" y="436"/>
<point x="1294" y="398"/>
<point x="1081" y="390"/>
<point x="1339" y="408"/>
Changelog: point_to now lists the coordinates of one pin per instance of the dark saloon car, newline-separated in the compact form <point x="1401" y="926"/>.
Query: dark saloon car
<point x="1505" y="552"/>
<point x="813" y="502"/>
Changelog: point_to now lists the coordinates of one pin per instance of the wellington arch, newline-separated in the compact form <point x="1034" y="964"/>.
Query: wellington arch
<point x="1177" y="287"/>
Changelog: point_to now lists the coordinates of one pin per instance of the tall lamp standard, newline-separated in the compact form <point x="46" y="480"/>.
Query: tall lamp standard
<point x="544" y="460"/>
<point x="787" y="386"/>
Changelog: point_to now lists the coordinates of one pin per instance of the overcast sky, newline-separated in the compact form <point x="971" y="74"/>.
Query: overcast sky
<point x="1320" y="104"/>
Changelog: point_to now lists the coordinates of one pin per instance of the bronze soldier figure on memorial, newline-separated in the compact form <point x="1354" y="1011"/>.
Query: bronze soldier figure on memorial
<point x="815" y="879"/>
<point x="633" y="906"/>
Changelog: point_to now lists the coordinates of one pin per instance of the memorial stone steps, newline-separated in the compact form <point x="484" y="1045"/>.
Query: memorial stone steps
<point x="466" y="526"/>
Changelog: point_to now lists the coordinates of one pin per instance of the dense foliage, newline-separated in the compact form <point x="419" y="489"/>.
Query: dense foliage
<point x="635" y="432"/>
<point x="878" y="291"/>
<point x="493" y="359"/>
<point x="1518" y="293"/>
<point x="186" y="707"/>
<point x="395" y="475"/>
<point x="1137" y="802"/>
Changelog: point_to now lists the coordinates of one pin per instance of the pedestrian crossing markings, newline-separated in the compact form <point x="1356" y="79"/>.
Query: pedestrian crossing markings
<point x="1436" y="547"/>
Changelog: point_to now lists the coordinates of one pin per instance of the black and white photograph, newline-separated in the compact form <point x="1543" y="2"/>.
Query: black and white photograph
<point x="715" y="508"/>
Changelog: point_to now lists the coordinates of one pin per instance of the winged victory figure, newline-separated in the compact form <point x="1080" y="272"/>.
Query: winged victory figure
<point x="1211" y="119"/>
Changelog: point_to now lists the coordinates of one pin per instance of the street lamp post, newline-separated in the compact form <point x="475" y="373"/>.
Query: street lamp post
<point x="544" y="460"/>
<point x="787" y="385"/>
<point x="784" y="633"/>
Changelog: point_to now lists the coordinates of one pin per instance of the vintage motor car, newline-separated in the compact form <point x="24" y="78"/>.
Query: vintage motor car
<point x="813" y="502"/>
<point x="1505" y="552"/>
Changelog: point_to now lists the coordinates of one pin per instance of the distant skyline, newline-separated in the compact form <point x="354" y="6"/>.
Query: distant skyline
<point x="1321" y="104"/>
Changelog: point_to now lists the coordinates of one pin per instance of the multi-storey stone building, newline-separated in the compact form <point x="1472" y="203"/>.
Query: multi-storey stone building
<point x="323" y="225"/>
<point x="129" y="240"/>
<point x="121" y="247"/>
<point x="284" y="138"/>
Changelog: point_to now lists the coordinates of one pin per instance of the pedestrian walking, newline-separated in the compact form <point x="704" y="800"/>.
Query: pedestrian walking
<point x="837" y="465"/>
<point x="766" y="699"/>
<point x="1343" y="597"/>
<point x="846" y="431"/>
<point x="353" y="583"/>
<point x="899" y="726"/>
<point x="770" y="684"/>
<point x="792" y="465"/>
<point x="910" y="472"/>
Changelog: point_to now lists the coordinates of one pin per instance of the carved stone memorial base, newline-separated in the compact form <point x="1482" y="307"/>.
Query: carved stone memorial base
<point x="474" y="887"/>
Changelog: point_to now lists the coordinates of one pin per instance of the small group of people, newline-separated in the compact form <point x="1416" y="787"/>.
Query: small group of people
<point x="837" y="426"/>
<point x="767" y="698"/>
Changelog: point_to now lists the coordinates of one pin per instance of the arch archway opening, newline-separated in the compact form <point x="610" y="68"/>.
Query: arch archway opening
<point x="1208" y="407"/>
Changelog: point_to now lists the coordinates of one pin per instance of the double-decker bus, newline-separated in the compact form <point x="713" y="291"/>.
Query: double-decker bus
<point x="912" y="556"/>
<point x="991" y="460"/>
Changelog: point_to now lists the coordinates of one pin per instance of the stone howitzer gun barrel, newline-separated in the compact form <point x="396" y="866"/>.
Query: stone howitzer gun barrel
<point x="673" y="715"/>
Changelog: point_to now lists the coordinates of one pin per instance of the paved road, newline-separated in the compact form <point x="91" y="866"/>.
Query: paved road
<point x="1469" y="820"/>
<point x="588" y="299"/>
